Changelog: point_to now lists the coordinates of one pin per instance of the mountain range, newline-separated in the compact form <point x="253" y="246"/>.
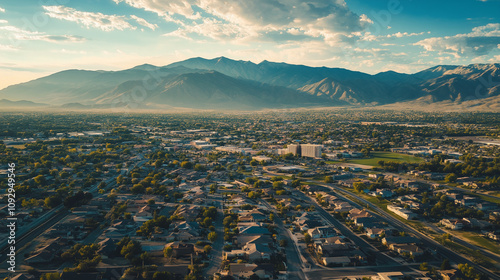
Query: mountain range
<point x="222" y="83"/>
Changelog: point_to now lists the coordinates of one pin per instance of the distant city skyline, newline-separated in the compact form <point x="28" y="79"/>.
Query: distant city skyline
<point x="42" y="37"/>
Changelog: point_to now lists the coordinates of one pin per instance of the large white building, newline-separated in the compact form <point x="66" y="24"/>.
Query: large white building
<point x="294" y="149"/>
<point x="311" y="150"/>
<point x="234" y="149"/>
<point x="202" y="145"/>
<point x="404" y="213"/>
<point x="305" y="150"/>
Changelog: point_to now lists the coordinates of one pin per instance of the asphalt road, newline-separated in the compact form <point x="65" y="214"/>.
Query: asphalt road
<point x="428" y="242"/>
<point x="28" y="236"/>
<point x="357" y="272"/>
<point x="294" y="261"/>
<point x="367" y="248"/>
<point x="44" y="222"/>
<point x="216" y="253"/>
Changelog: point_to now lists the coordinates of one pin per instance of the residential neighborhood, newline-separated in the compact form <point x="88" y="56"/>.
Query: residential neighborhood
<point x="241" y="199"/>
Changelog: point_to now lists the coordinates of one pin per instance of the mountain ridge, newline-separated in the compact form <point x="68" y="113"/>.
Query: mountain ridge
<point x="223" y="83"/>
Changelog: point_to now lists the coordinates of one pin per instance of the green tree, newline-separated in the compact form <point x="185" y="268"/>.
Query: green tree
<point x="328" y="179"/>
<point x="468" y="270"/>
<point x="39" y="180"/>
<point x="207" y="248"/>
<point x="207" y="222"/>
<point x="445" y="265"/>
<point x="213" y="188"/>
<point x="52" y="201"/>
<point x="359" y="186"/>
<point x="253" y="195"/>
<point x="137" y="189"/>
<point x="451" y="178"/>
<point x="278" y="185"/>
<point x="199" y="167"/>
<point x="424" y="266"/>
<point x="119" y="179"/>
<point x="227" y="221"/>
<point x="162" y="275"/>
<point x="212" y="236"/>
<point x="271" y="217"/>
<point x="50" y="276"/>
<point x="131" y="250"/>
<point x="283" y="242"/>
<point x="307" y="238"/>
<point x="168" y="252"/>
<point x="145" y="258"/>
<point x="187" y="164"/>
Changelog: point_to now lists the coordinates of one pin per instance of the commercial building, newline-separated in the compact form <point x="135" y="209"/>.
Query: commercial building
<point x="295" y="149"/>
<point x="305" y="150"/>
<point x="311" y="150"/>
<point x="404" y="213"/>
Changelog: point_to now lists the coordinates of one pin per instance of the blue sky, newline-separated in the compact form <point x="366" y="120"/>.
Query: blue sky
<point x="39" y="37"/>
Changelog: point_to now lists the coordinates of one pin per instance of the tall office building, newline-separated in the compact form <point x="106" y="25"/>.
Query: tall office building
<point x="311" y="150"/>
<point x="294" y="149"/>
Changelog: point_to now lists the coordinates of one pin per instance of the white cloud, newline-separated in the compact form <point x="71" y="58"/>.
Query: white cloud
<point x="144" y="22"/>
<point x="368" y="36"/>
<point x="88" y="19"/>
<point x="2" y="10"/>
<point x="3" y="21"/>
<point x="65" y="51"/>
<point x="295" y="31"/>
<point x="318" y="17"/>
<point x="7" y="48"/>
<point x="21" y="34"/>
<point x="491" y="29"/>
<point x="405" y="34"/>
<point x="372" y="50"/>
<point x="482" y="40"/>
<point x="495" y="59"/>
<point x="329" y="20"/>
<point x="212" y="28"/>
<point x="165" y="8"/>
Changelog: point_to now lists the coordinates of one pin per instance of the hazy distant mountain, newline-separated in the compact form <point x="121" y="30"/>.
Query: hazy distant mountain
<point x="209" y="90"/>
<point x="444" y="82"/>
<point x="463" y="83"/>
<point x="80" y="86"/>
<point x="433" y="72"/>
<point x="222" y="83"/>
<point x="280" y="74"/>
<point x="356" y="91"/>
<point x="4" y="103"/>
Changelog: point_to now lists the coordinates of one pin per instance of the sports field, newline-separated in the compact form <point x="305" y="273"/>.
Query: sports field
<point x="385" y="156"/>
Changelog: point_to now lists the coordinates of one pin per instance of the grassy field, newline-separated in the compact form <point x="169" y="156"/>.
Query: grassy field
<point x="479" y="240"/>
<point x="19" y="147"/>
<point x="386" y="156"/>
<point x="488" y="198"/>
<point x="475" y="255"/>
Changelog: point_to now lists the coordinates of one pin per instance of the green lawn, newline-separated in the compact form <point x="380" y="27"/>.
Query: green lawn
<point x="476" y="256"/>
<point x="481" y="241"/>
<point x="386" y="156"/>
<point x="19" y="147"/>
<point x="488" y="198"/>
